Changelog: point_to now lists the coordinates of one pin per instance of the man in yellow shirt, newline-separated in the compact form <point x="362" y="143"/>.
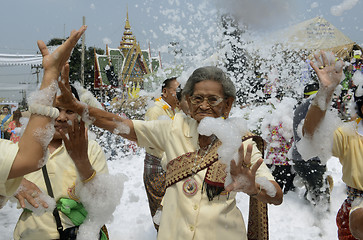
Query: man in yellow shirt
<point x="154" y="174"/>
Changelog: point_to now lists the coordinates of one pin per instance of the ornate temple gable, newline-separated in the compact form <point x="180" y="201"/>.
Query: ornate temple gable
<point x="135" y="66"/>
<point x="125" y="66"/>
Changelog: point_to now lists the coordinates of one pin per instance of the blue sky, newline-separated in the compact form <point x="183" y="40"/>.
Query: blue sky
<point x="154" y="21"/>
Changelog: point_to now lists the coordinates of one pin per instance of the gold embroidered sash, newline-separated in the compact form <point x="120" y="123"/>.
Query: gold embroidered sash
<point x="182" y="167"/>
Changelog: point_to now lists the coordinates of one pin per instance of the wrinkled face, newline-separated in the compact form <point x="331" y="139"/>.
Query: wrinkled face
<point x="208" y="100"/>
<point x="62" y="121"/>
<point x="169" y="94"/>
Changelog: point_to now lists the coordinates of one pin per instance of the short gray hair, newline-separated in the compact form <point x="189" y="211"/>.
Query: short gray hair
<point x="210" y="73"/>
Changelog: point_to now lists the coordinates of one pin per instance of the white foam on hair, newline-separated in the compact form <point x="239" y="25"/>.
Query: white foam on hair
<point x="100" y="197"/>
<point x="44" y="136"/>
<point x="230" y="132"/>
<point x="44" y="96"/>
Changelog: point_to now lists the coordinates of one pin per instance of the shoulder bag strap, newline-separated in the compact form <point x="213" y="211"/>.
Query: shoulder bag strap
<point x="50" y="193"/>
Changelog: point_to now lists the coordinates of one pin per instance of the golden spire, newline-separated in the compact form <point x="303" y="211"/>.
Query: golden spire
<point x="128" y="39"/>
<point x="127" y="24"/>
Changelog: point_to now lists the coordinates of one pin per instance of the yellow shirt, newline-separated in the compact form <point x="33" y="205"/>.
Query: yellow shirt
<point x="154" y="113"/>
<point x="62" y="174"/>
<point x="193" y="217"/>
<point x="348" y="148"/>
<point x="8" y="151"/>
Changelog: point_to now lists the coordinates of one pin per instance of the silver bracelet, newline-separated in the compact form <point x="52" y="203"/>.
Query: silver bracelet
<point x="44" y="110"/>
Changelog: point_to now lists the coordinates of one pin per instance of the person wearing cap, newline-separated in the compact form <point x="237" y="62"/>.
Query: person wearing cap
<point x="72" y="161"/>
<point x="346" y="142"/>
<point x="164" y="107"/>
<point x="311" y="170"/>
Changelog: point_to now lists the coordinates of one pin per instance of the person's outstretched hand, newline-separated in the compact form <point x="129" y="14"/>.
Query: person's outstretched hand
<point x="54" y="62"/>
<point x="243" y="175"/>
<point x="329" y="71"/>
<point x="77" y="148"/>
<point x="30" y="192"/>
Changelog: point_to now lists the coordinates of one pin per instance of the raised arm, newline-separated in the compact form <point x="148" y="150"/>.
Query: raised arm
<point x="31" y="148"/>
<point x="101" y="118"/>
<point x="329" y="73"/>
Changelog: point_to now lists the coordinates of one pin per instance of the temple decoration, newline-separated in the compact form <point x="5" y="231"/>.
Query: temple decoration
<point x="124" y="67"/>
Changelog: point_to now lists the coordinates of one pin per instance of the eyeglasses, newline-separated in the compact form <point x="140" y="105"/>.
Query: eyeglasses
<point x="211" y="100"/>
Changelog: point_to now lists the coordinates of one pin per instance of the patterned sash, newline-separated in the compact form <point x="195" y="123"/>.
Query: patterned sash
<point x="182" y="167"/>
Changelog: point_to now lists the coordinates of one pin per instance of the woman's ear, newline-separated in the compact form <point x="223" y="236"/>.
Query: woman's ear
<point x="228" y="106"/>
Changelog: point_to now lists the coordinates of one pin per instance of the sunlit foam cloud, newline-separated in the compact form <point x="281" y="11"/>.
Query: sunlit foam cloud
<point x="259" y="14"/>
<point x="314" y="5"/>
<point x="338" y="10"/>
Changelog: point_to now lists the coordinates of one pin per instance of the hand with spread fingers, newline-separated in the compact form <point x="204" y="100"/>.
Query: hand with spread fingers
<point x="243" y="174"/>
<point x="30" y="192"/>
<point x="77" y="148"/>
<point x="54" y="62"/>
<point x="328" y="70"/>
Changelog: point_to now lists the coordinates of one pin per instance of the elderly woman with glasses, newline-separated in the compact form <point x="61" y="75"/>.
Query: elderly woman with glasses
<point x="196" y="205"/>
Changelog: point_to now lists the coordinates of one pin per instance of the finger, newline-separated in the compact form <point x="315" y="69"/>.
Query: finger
<point x="73" y="39"/>
<point x="240" y="156"/>
<point x="65" y="139"/>
<point x="43" y="203"/>
<point x="31" y="200"/>
<point x="82" y="128"/>
<point x="64" y="87"/>
<point x="21" y="200"/>
<point x="247" y="159"/>
<point x="72" y="135"/>
<point x="314" y="66"/>
<point x="256" y="166"/>
<point x="318" y="60"/>
<point x="339" y="66"/>
<point x="65" y="73"/>
<point x="43" y="48"/>
<point x="325" y="59"/>
<point x="234" y="169"/>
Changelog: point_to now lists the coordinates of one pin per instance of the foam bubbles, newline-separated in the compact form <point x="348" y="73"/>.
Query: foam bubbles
<point x="44" y="96"/>
<point x="230" y="132"/>
<point x="100" y="198"/>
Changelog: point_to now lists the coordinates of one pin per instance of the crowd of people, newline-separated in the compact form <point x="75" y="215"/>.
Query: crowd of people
<point x="190" y="193"/>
